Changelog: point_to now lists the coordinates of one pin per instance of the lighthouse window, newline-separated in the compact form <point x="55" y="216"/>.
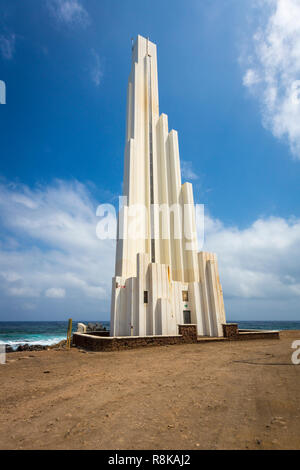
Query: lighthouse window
<point x="145" y="296"/>
<point x="185" y="296"/>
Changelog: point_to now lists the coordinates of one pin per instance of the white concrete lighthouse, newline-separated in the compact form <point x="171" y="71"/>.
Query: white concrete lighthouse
<point x="160" y="279"/>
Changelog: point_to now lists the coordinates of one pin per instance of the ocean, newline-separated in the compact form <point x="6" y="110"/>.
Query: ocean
<point x="52" y="332"/>
<point x="45" y="333"/>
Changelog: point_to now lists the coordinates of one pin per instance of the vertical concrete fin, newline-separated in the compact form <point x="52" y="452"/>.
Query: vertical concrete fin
<point x="191" y="269"/>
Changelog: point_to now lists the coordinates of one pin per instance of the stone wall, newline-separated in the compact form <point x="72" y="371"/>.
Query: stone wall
<point x="230" y="330"/>
<point x="187" y="334"/>
<point x="249" y="335"/>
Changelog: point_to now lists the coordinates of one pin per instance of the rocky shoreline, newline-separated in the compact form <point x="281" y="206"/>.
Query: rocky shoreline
<point x="35" y="347"/>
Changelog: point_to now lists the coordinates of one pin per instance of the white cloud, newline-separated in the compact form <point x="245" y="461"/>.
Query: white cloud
<point x="96" y="69"/>
<point x="273" y="72"/>
<point x="55" y="293"/>
<point x="69" y="12"/>
<point x="251" y="78"/>
<point x="23" y="292"/>
<point x="260" y="263"/>
<point x="7" y="45"/>
<point x="11" y="276"/>
<point x="49" y="248"/>
<point x="187" y="171"/>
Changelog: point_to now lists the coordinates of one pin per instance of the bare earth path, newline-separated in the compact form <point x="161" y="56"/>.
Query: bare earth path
<point x="233" y="395"/>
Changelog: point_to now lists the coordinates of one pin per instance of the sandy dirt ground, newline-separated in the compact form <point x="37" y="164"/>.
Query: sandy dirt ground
<point x="231" y="395"/>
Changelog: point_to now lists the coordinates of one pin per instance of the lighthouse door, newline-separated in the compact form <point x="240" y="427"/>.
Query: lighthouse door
<point x="187" y="317"/>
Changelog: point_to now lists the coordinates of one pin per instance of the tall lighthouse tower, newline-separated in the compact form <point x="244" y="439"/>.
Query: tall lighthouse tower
<point x="160" y="279"/>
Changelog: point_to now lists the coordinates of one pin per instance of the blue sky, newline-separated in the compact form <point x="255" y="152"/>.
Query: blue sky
<point x="228" y="80"/>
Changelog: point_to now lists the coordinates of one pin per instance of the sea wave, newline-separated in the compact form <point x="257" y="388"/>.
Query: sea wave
<point x="14" y="344"/>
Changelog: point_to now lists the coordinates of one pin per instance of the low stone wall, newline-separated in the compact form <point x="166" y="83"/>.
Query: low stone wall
<point x="231" y="332"/>
<point x="248" y="335"/>
<point x="94" y="341"/>
<point x="187" y="334"/>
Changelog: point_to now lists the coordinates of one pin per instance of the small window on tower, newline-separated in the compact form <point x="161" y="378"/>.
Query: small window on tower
<point x="185" y="296"/>
<point x="145" y="296"/>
